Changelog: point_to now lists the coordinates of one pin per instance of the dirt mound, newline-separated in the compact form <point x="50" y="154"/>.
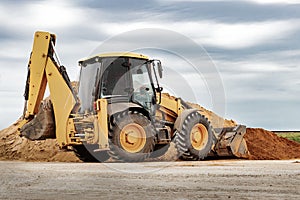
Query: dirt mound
<point x="14" y="147"/>
<point x="266" y="145"/>
<point x="262" y="145"/>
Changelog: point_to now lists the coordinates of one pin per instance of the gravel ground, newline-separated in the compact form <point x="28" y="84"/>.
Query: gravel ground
<point x="221" y="179"/>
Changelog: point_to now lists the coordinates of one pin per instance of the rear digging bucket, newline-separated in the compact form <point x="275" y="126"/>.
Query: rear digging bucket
<point x="42" y="126"/>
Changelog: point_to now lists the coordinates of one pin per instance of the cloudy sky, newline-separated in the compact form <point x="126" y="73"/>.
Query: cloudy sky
<point x="254" y="46"/>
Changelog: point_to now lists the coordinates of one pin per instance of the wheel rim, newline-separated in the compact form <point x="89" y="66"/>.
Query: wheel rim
<point x="199" y="136"/>
<point x="133" y="138"/>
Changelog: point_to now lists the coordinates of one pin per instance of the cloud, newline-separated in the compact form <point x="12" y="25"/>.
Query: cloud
<point x="232" y="36"/>
<point x="221" y="35"/>
<point x="255" y="44"/>
<point x="276" y="1"/>
<point x="43" y="14"/>
<point x="259" y="80"/>
<point x="228" y="11"/>
<point x="231" y="1"/>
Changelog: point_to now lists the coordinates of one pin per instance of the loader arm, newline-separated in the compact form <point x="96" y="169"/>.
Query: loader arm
<point x="228" y="141"/>
<point x="43" y="69"/>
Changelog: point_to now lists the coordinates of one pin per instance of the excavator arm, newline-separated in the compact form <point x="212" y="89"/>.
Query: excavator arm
<point x="43" y="69"/>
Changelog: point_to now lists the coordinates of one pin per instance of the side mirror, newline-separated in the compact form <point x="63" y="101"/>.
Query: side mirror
<point x="160" y="69"/>
<point x="159" y="89"/>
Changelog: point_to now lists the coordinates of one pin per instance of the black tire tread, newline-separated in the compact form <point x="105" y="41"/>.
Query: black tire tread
<point x="182" y="138"/>
<point x="159" y="150"/>
<point x="119" y="154"/>
<point x="85" y="155"/>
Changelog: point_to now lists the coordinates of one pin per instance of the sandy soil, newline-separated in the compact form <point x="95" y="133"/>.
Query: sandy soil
<point x="159" y="180"/>
<point x="262" y="145"/>
<point x="14" y="147"/>
<point x="266" y="145"/>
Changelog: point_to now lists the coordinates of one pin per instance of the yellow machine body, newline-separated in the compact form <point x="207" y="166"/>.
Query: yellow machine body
<point x="73" y="128"/>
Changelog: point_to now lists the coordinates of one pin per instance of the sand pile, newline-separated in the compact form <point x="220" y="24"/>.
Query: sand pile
<point x="262" y="144"/>
<point x="14" y="147"/>
<point x="266" y="145"/>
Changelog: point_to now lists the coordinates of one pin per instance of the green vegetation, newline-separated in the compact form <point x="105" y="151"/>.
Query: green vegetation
<point x="295" y="136"/>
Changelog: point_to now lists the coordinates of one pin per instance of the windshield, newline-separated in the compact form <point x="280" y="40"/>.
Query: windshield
<point x="115" y="78"/>
<point x="142" y="89"/>
<point x="88" y="75"/>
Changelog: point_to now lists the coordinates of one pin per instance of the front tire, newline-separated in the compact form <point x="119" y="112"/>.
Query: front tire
<point x="195" y="140"/>
<point x="131" y="137"/>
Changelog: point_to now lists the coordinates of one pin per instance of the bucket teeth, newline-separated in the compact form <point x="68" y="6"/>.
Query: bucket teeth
<point x="231" y="142"/>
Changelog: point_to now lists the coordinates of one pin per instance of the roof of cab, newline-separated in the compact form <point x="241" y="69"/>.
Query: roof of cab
<point x="116" y="54"/>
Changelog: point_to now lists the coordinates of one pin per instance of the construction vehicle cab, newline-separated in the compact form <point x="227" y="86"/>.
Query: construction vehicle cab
<point x="118" y="110"/>
<point x="119" y="78"/>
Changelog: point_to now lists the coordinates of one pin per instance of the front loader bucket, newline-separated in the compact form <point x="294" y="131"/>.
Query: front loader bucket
<point x="231" y="142"/>
<point x="42" y="126"/>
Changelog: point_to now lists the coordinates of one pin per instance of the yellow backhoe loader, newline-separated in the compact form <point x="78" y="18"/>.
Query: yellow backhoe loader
<point x="116" y="110"/>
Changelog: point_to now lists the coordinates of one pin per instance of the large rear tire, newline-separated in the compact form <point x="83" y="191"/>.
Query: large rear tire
<point x="86" y="153"/>
<point x="131" y="137"/>
<point x="195" y="140"/>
